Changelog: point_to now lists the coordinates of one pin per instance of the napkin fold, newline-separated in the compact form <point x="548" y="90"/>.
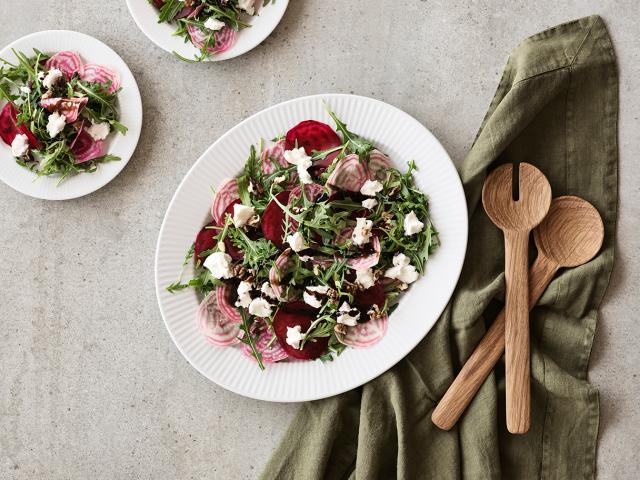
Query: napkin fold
<point x="556" y="107"/>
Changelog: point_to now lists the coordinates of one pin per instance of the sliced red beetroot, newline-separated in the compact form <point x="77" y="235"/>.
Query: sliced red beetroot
<point x="369" y="260"/>
<point x="313" y="136"/>
<point x="233" y="251"/>
<point x="273" y="153"/>
<point x="269" y="353"/>
<point x="365" y="334"/>
<point x="226" y="194"/>
<point x="225" y="296"/>
<point x="272" y="222"/>
<point x="378" y="165"/>
<point x="85" y="148"/>
<point x="185" y="12"/>
<point x="99" y="74"/>
<point x="205" y="240"/>
<point x="279" y="270"/>
<point x="321" y="165"/>
<point x="216" y="327"/>
<point x="67" y="62"/>
<point x="312" y="191"/>
<point x="158" y="3"/>
<point x="69" y="107"/>
<point x="365" y="299"/>
<point x="285" y="318"/>
<point x="9" y="127"/>
<point x="349" y="174"/>
<point x="224" y="38"/>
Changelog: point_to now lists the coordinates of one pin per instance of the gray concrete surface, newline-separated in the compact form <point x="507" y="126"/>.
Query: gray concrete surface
<point x="91" y="386"/>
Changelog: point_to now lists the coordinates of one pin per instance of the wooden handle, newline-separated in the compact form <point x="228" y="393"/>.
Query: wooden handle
<point x="474" y="372"/>
<point x="516" y="332"/>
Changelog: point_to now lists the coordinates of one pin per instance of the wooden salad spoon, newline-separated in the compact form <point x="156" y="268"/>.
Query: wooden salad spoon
<point x="570" y="235"/>
<point x="517" y="200"/>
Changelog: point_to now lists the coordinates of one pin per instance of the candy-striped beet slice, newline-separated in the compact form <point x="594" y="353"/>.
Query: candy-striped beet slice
<point x="226" y="194"/>
<point x="273" y="153"/>
<point x="312" y="192"/>
<point x="350" y="174"/>
<point x="290" y="318"/>
<point x="85" y="148"/>
<point x="214" y="325"/>
<point x="67" y="62"/>
<point x="279" y="270"/>
<point x="379" y="163"/>
<point x="366" y="334"/>
<point x="224" y="38"/>
<point x="69" y="107"/>
<point x="98" y="74"/>
<point x="272" y="222"/>
<point x="205" y="240"/>
<point x="224" y="296"/>
<point x="313" y="136"/>
<point x="9" y="127"/>
<point x="367" y="261"/>
<point x="269" y="353"/>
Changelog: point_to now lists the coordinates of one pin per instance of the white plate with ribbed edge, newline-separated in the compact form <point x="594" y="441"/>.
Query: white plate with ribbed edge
<point x="394" y="132"/>
<point x="129" y="105"/>
<point x="146" y="17"/>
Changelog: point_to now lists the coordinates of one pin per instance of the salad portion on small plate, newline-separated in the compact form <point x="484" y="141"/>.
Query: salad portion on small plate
<point x="318" y="243"/>
<point x="197" y="30"/>
<point x="69" y="110"/>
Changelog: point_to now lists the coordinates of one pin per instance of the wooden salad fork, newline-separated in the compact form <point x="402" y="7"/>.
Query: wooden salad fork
<point x="570" y="235"/>
<point x="517" y="200"/>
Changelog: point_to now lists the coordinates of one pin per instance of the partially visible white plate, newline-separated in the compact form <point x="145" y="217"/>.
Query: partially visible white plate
<point x="394" y="132"/>
<point x="146" y="16"/>
<point x="129" y="104"/>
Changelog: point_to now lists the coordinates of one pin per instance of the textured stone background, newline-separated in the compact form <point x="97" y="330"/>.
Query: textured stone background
<point x="91" y="385"/>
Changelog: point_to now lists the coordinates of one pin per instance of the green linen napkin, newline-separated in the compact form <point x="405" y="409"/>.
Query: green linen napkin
<point x="556" y="107"/>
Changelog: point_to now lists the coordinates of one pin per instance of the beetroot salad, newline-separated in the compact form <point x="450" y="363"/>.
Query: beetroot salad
<point x="212" y="26"/>
<point x="309" y="250"/>
<point x="59" y="112"/>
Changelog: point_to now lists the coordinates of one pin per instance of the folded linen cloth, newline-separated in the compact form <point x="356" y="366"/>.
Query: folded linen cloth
<point x="556" y="107"/>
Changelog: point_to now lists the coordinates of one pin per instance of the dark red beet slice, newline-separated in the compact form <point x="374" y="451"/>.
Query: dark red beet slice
<point x="85" y="148"/>
<point x="365" y="299"/>
<point x="9" y="127"/>
<point x="299" y="307"/>
<point x="313" y="136"/>
<point x="312" y="349"/>
<point x="321" y="165"/>
<point x="233" y="251"/>
<point x="205" y="241"/>
<point x="158" y="3"/>
<point x="272" y="222"/>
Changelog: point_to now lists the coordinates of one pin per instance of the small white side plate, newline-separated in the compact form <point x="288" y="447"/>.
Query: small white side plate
<point x="146" y="16"/>
<point x="394" y="132"/>
<point x="90" y="50"/>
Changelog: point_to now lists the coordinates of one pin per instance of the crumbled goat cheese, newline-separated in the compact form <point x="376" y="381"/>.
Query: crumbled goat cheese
<point x="369" y="203"/>
<point x="250" y="188"/>
<point x="296" y="241"/>
<point x="242" y="214"/>
<point x="279" y="180"/>
<point x="267" y="291"/>
<point x="247" y="5"/>
<point x="244" y="299"/>
<point x="25" y="89"/>
<point x="365" y="278"/>
<point x="219" y="264"/>
<point x="402" y="270"/>
<point x="260" y="307"/>
<point x="411" y="224"/>
<point x="295" y="336"/>
<point x="99" y="131"/>
<point x="302" y="161"/>
<point x="370" y="188"/>
<point x="311" y="299"/>
<point x="321" y="289"/>
<point x="305" y="258"/>
<point x="362" y="231"/>
<point x="345" y="317"/>
<point x="56" y="124"/>
<point x="20" y="145"/>
<point x="214" y="24"/>
<point x="52" y="78"/>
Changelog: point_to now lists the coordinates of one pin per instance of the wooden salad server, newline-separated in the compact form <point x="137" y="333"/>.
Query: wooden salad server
<point x="570" y="235"/>
<point x="516" y="201"/>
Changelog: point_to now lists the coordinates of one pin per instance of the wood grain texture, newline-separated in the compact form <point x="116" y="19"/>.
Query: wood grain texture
<point x="570" y="235"/>
<point x="516" y="213"/>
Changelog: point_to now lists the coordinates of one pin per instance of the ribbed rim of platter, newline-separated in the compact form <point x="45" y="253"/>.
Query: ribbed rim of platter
<point x="400" y="136"/>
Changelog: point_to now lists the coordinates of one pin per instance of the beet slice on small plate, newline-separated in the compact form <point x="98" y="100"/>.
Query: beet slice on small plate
<point x="272" y="222"/>
<point x="216" y="327"/>
<point x="225" y="195"/>
<point x="365" y="334"/>
<point x="270" y="353"/>
<point x="205" y="240"/>
<point x="287" y="317"/>
<point x="314" y="136"/>
<point x="9" y="127"/>
<point x="225" y="296"/>
<point x="67" y="62"/>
